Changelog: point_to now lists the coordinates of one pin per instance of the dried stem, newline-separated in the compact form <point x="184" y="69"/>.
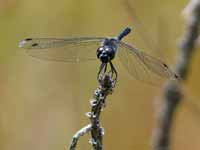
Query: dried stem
<point x="172" y="93"/>
<point x="77" y="136"/>
<point x="98" y="103"/>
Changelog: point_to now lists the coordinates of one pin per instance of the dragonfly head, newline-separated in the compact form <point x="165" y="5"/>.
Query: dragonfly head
<point x="105" y="54"/>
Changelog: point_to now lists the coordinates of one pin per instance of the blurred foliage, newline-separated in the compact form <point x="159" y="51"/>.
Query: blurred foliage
<point x="43" y="103"/>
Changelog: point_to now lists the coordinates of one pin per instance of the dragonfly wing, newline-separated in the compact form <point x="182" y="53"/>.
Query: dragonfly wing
<point x="143" y="66"/>
<point x="67" y="49"/>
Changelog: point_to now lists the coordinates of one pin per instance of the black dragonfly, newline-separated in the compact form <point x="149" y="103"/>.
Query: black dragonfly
<point x="138" y="63"/>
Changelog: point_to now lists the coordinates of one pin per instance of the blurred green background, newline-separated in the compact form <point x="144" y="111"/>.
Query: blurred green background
<point x="42" y="104"/>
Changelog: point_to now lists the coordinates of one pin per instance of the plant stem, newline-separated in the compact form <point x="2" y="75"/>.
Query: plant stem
<point x="106" y="85"/>
<point x="172" y="93"/>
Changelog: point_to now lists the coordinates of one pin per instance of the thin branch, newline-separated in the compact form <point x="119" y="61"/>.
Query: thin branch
<point x="77" y="136"/>
<point x="172" y="93"/>
<point x="98" y="102"/>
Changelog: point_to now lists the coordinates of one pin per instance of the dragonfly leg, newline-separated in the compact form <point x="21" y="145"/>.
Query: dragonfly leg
<point x="113" y="71"/>
<point x="101" y="68"/>
<point x="105" y="68"/>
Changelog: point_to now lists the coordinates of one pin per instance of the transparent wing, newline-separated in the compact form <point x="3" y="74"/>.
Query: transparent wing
<point x="143" y="66"/>
<point x="66" y="49"/>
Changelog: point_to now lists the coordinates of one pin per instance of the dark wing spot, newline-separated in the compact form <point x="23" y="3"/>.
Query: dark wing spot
<point x="165" y="65"/>
<point x="176" y="76"/>
<point x="34" y="44"/>
<point x="28" y="39"/>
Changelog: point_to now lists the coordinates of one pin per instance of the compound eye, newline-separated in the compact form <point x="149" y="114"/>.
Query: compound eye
<point x="107" y="49"/>
<point x="100" y="48"/>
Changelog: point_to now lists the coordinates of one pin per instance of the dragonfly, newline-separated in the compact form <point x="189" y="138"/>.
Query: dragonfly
<point x="80" y="49"/>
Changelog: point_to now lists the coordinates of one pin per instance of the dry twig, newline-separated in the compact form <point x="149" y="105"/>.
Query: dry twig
<point x="172" y="93"/>
<point x="98" y="103"/>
